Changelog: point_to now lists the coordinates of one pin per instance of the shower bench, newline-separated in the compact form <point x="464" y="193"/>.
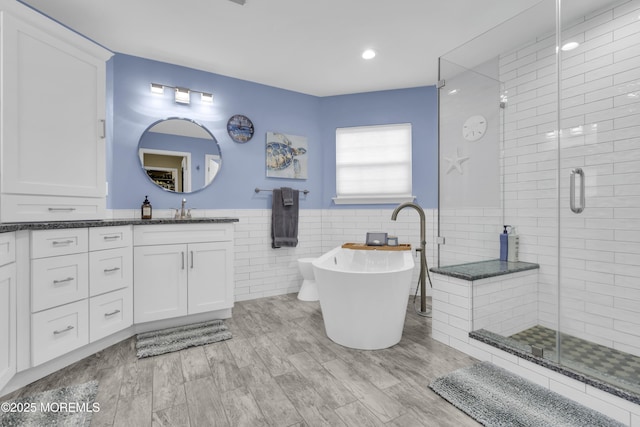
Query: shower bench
<point x="498" y="296"/>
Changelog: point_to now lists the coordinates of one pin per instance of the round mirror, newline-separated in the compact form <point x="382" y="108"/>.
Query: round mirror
<point x="180" y="155"/>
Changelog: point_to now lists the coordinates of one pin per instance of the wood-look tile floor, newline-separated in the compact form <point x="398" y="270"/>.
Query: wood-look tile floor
<point x="280" y="369"/>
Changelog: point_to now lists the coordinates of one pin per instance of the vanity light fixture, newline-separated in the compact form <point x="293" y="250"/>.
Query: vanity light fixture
<point x="206" y="98"/>
<point x="182" y="95"/>
<point x="156" y="88"/>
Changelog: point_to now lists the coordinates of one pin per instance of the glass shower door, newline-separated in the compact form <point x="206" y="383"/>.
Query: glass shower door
<point x="599" y="200"/>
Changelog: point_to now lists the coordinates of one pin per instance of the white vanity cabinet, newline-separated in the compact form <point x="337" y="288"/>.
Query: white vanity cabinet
<point x="53" y="120"/>
<point x="81" y="287"/>
<point x="182" y="269"/>
<point x="110" y="280"/>
<point x="59" y="290"/>
<point x="7" y="308"/>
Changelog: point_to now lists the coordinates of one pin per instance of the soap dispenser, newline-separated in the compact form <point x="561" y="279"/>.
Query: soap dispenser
<point x="504" y="243"/>
<point x="145" y="209"/>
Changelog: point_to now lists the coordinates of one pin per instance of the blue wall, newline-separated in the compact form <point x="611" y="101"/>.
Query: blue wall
<point x="132" y="108"/>
<point x="417" y="106"/>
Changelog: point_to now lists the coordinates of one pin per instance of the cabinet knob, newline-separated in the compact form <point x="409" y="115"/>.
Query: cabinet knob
<point x="57" y="282"/>
<point x="112" y="313"/>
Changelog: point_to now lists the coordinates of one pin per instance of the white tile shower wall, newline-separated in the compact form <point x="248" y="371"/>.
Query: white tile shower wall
<point x="506" y="304"/>
<point x="600" y="132"/>
<point x="262" y="271"/>
<point x="471" y="234"/>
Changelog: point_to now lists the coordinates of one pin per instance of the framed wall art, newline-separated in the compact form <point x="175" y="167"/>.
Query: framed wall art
<point x="286" y="156"/>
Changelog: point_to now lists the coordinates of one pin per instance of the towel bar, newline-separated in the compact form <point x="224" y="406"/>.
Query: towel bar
<point x="257" y="190"/>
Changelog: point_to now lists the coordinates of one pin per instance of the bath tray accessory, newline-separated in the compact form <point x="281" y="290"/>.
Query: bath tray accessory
<point x="376" y="239"/>
<point x="364" y="247"/>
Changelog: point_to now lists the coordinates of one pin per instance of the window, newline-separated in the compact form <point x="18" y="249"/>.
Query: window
<point x="373" y="164"/>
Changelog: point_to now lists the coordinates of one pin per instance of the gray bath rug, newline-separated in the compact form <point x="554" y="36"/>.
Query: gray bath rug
<point x="495" y="397"/>
<point x="63" y="407"/>
<point x="181" y="337"/>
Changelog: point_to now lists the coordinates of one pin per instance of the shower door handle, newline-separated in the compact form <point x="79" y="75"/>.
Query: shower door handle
<point x="572" y="191"/>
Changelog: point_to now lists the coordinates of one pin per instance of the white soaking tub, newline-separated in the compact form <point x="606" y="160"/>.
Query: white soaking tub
<point x="363" y="295"/>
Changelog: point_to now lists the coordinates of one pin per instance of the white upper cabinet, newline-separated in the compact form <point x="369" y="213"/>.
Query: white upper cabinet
<point x="53" y="120"/>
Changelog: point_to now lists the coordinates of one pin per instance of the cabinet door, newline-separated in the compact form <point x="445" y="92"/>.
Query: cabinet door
<point x="160" y="277"/>
<point x="7" y="323"/>
<point x="210" y="276"/>
<point x="53" y="114"/>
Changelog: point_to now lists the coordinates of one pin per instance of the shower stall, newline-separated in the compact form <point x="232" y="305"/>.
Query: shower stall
<point x="540" y="130"/>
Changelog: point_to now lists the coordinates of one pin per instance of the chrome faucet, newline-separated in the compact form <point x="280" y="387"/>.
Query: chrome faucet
<point x="182" y="213"/>
<point x="422" y="250"/>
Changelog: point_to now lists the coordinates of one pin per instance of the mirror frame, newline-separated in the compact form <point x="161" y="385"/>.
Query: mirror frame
<point x="213" y="140"/>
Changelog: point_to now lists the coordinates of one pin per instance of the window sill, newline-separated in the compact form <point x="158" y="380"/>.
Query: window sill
<point x="372" y="200"/>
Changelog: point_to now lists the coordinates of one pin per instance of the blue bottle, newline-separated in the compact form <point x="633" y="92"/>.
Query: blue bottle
<point x="504" y="244"/>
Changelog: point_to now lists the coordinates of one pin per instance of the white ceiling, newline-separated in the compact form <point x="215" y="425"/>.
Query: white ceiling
<point x="306" y="46"/>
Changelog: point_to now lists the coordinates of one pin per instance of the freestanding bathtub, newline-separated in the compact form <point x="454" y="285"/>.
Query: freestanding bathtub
<point x="363" y="295"/>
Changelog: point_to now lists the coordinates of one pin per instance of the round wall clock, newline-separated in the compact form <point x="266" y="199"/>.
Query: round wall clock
<point x="474" y="128"/>
<point x="240" y="128"/>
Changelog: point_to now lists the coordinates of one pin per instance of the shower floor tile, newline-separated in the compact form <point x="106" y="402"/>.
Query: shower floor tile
<point x="594" y="357"/>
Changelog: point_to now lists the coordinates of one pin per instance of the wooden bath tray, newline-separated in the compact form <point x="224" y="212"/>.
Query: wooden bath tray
<point x="363" y="247"/>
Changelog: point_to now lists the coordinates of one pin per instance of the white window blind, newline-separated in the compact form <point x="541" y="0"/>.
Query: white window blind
<point x="373" y="164"/>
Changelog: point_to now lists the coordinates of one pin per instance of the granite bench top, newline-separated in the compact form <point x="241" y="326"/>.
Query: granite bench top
<point x="484" y="269"/>
<point x="53" y="225"/>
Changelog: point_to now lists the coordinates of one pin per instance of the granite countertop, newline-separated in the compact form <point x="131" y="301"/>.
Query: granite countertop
<point x="484" y="269"/>
<point x="53" y="225"/>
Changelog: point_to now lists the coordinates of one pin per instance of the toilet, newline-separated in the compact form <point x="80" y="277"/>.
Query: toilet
<point x="309" y="289"/>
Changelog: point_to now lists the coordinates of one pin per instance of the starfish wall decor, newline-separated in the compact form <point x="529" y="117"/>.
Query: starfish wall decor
<point x="456" y="162"/>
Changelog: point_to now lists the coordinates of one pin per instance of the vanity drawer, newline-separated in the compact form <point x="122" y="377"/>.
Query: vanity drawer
<point x="31" y="208"/>
<point x="167" y="234"/>
<point x="46" y="243"/>
<point x="110" y="270"/>
<point x="58" y="280"/>
<point x="110" y="313"/>
<point x="7" y="248"/>
<point x="59" y="330"/>
<point x="101" y="238"/>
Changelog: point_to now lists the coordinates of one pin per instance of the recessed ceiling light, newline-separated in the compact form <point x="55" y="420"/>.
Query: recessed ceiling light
<point x="369" y="54"/>
<point x="569" y="46"/>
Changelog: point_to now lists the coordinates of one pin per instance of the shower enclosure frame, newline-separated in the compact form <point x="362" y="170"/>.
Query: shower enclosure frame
<point x="573" y="176"/>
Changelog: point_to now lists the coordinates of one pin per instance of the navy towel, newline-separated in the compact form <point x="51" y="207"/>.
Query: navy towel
<point x="284" y="219"/>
